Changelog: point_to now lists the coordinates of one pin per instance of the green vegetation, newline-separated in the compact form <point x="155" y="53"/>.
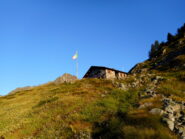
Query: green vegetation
<point x="154" y="49"/>
<point x="89" y="107"/>
<point x="43" y="102"/>
<point x="173" y="86"/>
<point x="97" y="108"/>
<point x="168" y="55"/>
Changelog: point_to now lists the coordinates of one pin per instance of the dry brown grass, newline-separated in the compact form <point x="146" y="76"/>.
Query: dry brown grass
<point x="65" y="110"/>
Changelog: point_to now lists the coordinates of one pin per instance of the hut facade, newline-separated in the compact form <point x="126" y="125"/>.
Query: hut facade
<point x="104" y="73"/>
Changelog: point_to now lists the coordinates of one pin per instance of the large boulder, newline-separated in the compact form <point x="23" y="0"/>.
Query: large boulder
<point x="170" y="124"/>
<point x="66" y="78"/>
<point x="157" y="111"/>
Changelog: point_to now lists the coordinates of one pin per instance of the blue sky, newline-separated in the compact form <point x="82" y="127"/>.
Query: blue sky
<point x="39" y="37"/>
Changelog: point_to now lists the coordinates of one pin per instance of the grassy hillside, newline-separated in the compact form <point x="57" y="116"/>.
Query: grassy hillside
<point x="105" y="109"/>
<point x="87" y="108"/>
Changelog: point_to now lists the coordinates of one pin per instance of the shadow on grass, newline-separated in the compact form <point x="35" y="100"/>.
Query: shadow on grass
<point x="109" y="129"/>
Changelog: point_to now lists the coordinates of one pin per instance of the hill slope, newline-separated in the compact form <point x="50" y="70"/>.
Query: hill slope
<point x="87" y="108"/>
<point x="166" y="56"/>
<point x="149" y="103"/>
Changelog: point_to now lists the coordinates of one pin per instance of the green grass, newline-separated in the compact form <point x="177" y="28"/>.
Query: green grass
<point x="173" y="85"/>
<point x="89" y="107"/>
<point x="43" y="102"/>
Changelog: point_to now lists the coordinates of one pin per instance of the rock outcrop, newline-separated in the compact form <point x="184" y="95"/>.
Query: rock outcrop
<point x="169" y="55"/>
<point x="174" y="116"/>
<point x="21" y="89"/>
<point x="167" y="58"/>
<point x="66" y="78"/>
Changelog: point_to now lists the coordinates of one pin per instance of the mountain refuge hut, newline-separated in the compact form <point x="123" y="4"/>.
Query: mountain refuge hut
<point x="104" y="73"/>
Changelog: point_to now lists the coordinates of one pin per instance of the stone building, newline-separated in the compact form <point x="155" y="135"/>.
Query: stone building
<point x="104" y="73"/>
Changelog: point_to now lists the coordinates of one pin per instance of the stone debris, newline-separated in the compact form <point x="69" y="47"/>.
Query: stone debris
<point x="173" y="113"/>
<point x="145" y="105"/>
<point x="157" y="111"/>
<point x="170" y="124"/>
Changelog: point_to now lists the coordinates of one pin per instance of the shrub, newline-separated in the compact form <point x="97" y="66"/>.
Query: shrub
<point x="170" y="37"/>
<point x="154" y="49"/>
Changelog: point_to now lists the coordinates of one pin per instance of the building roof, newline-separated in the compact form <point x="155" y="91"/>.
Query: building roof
<point x="101" y="67"/>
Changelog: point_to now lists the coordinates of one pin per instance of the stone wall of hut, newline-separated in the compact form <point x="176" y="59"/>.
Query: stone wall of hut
<point x="110" y="74"/>
<point x="104" y="74"/>
<point x="121" y="75"/>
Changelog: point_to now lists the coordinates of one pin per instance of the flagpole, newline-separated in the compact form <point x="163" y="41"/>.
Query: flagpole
<point x="77" y="65"/>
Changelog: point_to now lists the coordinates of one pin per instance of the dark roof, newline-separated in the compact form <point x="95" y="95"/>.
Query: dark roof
<point x="101" y="67"/>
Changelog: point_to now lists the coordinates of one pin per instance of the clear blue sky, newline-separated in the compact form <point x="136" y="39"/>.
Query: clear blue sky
<point x="39" y="37"/>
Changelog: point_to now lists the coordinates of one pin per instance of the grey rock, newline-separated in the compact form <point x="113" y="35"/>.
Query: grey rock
<point x="176" y="108"/>
<point x="177" y="124"/>
<point x="150" y="91"/>
<point x="65" y="78"/>
<point x="123" y="87"/>
<point x="171" y="117"/>
<point x="164" y="119"/>
<point x="157" y="111"/>
<point x="181" y="129"/>
<point x="170" y="124"/>
<point x="169" y="109"/>
<point x="177" y="115"/>
<point x="145" y="105"/>
<point x="167" y="101"/>
<point x="157" y="79"/>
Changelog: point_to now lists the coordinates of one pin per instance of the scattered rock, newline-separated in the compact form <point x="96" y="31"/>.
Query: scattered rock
<point x="170" y="124"/>
<point x="172" y="113"/>
<point x="83" y="135"/>
<point x="169" y="109"/>
<point x="175" y="117"/>
<point x="145" y="105"/>
<point x="176" y="107"/>
<point x="164" y="119"/>
<point x="123" y="87"/>
<point x="181" y="129"/>
<point x="157" y="111"/>
<point x="171" y="117"/>
<point x="157" y="79"/>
